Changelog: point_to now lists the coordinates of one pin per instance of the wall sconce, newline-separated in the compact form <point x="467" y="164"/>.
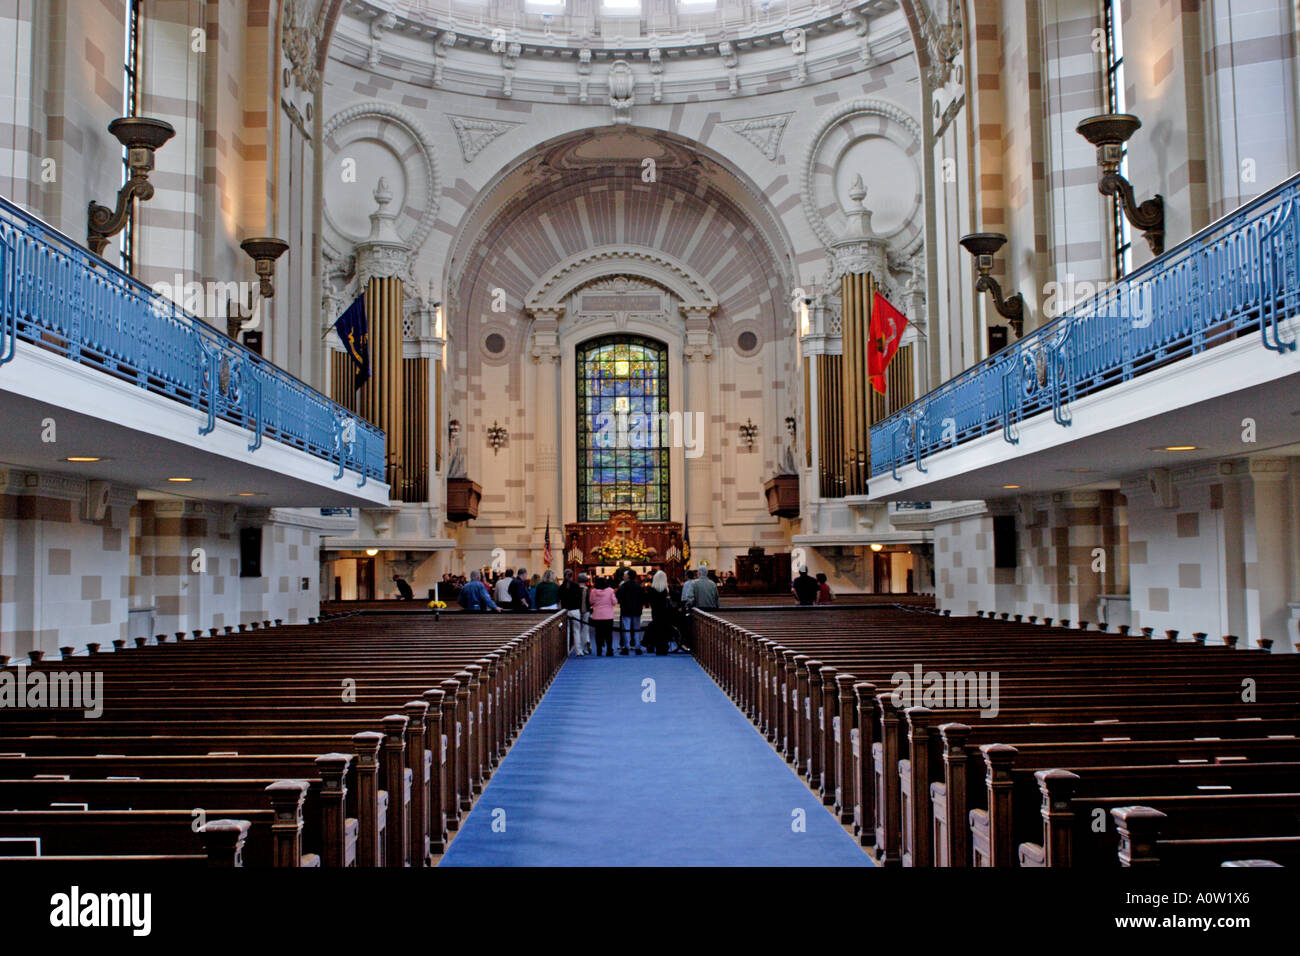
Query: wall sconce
<point x="983" y="246"/>
<point x="749" y="434"/>
<point x="496" y="436"/>
<point x="141" y="136"/>
<point x="264" y="251"/>
<point x="791" y="426"/>
<point x="453" y="429"/>
<point x="1109" y="132"/>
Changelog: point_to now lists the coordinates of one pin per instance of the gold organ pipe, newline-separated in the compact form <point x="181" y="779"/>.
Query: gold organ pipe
<point x="807" y="412"/>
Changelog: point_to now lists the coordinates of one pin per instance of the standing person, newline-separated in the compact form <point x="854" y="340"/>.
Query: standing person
<point x="804" y="588"/>
<point x="587" y="635"/>
<point x="475" y="596"/>
<point x="571" y="600"/>
<point x="503" y="589"/>
<point x="824" y="595"/>
<point x="688" y="590"/>
<point x="547" y="595"/>
<point x="603" y="602"/>
<point x="631" y="603"/>
<point x="519" y="600"/>
<point x="705" y="593"/>
<point x="662" y="614"/>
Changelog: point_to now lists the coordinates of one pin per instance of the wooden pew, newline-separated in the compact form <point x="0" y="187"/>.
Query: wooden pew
<point x="1068" y="817"/>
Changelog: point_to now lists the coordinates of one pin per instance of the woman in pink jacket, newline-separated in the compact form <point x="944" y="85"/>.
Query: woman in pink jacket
<point x="604" y="605"/>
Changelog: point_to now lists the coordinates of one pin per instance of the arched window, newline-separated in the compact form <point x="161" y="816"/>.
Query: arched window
<point x="622" y="428"/>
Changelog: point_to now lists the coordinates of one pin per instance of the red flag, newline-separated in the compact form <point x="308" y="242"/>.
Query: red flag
<point x="887" y="325"/>
<point x="546" y="546"/>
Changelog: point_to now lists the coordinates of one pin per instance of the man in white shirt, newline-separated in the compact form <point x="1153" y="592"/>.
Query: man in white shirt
<point x="503" y="590"/>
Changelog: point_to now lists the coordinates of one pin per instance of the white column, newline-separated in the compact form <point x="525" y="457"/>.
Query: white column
<point x="546" y="412"/>
<point x="701" y="472"/>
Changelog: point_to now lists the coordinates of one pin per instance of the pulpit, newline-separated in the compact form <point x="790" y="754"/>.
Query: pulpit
<point x="761" y="573"/>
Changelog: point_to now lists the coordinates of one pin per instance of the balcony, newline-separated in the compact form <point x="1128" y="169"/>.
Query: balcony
<point x="82" y="338"/>
<point x="1173" y="357"/>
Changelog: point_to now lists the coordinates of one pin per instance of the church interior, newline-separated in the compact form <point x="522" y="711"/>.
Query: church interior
<point x="331" y="328"/>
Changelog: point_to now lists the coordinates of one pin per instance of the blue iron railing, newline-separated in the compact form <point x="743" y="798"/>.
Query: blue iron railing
<point x="1240" y="275"/>
<point x="56" y="295"/>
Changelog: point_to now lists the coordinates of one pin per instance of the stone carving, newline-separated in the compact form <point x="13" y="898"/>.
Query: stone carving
<point x="445" y="41"/>
<point x="798" y="40"/>
<point x="622" y="89"/>
<point x="817" y="188"/>
<point x="765" y="132"/>
<point x="299" y="44"/>
<point x="787" y="466"/>
<point x="474" y="134"/>
<point x="861" y="26"/>
<point x="731" y="60"/>
<point x="383" y="253"/>
<point x="943" y="42"/>
<point x="422" y="170"/>
<point x="509" y="57"/>
<point x="657" y="74"/>
<point x="378" y="25"/>
<point x="584" y="75"/>
<point x="860" y="217"/>
<point x="456" y="466"/>
<point x="685" y="283"/>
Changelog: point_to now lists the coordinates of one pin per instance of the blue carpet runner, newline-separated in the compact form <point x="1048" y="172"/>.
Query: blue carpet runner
<point x="601" y="777"/>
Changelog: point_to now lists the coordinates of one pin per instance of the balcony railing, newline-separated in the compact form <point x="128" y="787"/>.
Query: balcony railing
<point x="1236" y="277"/>
<point x="56" y="295"/>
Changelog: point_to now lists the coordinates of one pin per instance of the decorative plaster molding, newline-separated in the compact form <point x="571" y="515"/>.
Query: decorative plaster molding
<point x="584" y="75"/>
<point x="427" y="157"/>
<point x="445" y="41"/>
<point x="622" y="91"/>
<point x="474" y="134"/>
<point x="798" y="40"/>
<point x="730" y="60"/>
<point x="656" y="74"/>
<point x="861" y="28"/>
<point x="900" y="128"/>
<point x="509" y="57"/>
<point x="765" y="132"/>
<point x="299" y="45"/>
<point x="688" y="285"/>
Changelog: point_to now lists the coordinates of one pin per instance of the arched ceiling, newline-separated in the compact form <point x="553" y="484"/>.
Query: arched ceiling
<point x="594" y="191"/>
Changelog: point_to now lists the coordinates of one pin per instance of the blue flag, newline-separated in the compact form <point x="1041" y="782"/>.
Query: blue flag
<point x="354" y="330"/>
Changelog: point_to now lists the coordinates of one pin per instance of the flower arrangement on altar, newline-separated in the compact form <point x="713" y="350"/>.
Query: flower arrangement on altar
<point x="437" y="605"/>
<point x="620" y="549"/>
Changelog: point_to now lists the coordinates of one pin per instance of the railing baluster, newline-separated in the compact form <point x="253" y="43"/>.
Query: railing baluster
<point x="1242" y="270"/>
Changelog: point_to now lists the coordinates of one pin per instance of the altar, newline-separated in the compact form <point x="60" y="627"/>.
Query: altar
<point x="601" y="547"/>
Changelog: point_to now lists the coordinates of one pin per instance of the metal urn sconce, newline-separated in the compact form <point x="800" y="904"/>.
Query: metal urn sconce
<point x="983" y="246"/>
<point x="453" y="429"/>
<point x="142" y="136"/>
<point x="264" y="251"/>
<point x="1109" y="132"/>
<point x="749" y="433"/>
<point x="496" y="436"/>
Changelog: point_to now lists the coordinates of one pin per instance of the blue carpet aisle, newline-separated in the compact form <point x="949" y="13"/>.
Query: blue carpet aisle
<point x="600" y="777"/>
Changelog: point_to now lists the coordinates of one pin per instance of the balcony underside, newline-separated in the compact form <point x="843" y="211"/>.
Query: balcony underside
<point x="147" y="439"/>
<point x="1201" y="400"/>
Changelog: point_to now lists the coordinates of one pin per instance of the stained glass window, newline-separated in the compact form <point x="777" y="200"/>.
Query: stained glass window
<point x="623" y="433"/>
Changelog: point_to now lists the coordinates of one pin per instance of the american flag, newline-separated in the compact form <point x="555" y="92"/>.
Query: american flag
<point x="546" y="544"/>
